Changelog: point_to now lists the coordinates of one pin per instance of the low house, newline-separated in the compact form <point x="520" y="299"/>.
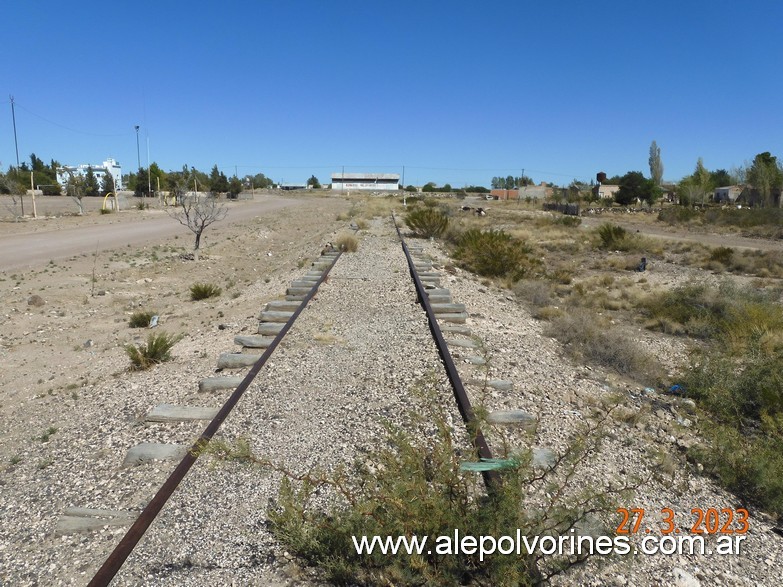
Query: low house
<point x="727" y="194"/>
<point x="606" y="192"/>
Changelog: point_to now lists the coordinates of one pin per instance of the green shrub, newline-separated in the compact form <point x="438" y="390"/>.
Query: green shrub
<point x="140" y="319"/>
<point x="722" y="255"/>
<point x="740" y="392"/>
<point x="157" y="350"/>
<point x="732" y="315"/>
<point x="106" y="210"/>
<point x="494" y="253"/>
<point x="416" y="486"/>
<point x="693" y="307"/>
<point x="613" y="237"/>
<point x="427" y="222"/>
<point x="749" y="467"/>
<point x="202" y="291"/>
<point x="737" y="378"/>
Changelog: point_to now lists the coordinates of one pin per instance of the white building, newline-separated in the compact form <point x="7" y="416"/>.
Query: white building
<point x="109" y="166"/>
<point x="366" y="181"/>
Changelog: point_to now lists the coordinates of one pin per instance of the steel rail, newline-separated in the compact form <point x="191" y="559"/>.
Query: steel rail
<point x="491" y="478"/>
<point x="123" y="549"/>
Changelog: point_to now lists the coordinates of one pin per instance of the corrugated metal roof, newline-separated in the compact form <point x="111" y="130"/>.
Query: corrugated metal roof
<point x="338" y="177"/>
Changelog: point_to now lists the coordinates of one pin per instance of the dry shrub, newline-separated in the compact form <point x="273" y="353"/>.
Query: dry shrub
<point x="533" y="291"/>
<point x="587" y="338"/>
<point x="347" y="243"/>
<point x="546" y="313"/>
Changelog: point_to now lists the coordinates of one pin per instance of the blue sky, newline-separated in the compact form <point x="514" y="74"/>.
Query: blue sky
<point x="454" y="91"/>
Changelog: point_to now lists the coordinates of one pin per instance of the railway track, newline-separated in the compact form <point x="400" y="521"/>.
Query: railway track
<point x="442" y="316"/>
<point x="350" y="361"/>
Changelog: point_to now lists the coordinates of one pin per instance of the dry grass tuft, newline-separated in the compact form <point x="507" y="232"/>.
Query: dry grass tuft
<point x="347" y="243"/>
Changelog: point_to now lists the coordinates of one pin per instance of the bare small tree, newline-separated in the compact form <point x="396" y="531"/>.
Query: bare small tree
<point x="75" y="188"/>
<point x="12" y="188"/>
<point x="196" y="212"/>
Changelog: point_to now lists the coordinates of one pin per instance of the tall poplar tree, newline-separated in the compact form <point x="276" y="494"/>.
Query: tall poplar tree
<point x="656" y="165"/>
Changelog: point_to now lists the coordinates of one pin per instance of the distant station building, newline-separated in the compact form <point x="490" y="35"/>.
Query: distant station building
<point x="289" y="187"/>
<point x="366" y="181"/>
<point x="109" y="166"/>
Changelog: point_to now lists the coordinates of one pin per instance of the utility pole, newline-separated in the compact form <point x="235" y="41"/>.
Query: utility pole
<point x="16" y="144"/>
<point x="149" y="177"/>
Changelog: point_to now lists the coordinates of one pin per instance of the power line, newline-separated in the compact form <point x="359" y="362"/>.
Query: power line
<point x="81" y="132"/>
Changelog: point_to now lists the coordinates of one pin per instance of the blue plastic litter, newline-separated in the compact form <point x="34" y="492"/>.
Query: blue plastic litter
<point x="677" y="389"/>
<point x="153" y="321"/>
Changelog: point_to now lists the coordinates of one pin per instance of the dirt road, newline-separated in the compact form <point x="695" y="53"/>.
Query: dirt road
<point x="55" y="242"/>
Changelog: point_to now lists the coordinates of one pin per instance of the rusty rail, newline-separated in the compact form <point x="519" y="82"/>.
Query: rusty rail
<point x="491" y="478"/>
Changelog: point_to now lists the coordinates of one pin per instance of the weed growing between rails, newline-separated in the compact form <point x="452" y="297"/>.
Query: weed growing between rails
<point x="414" y="486"/>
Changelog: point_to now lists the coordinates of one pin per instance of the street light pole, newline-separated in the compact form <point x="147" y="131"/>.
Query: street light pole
<point x="149" y="175"/>
<point x="138" y="160"/>
<point x="138" y="153"/>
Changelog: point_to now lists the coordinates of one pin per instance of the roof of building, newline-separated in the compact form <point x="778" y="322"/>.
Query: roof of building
<point x="365" y="176"/>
